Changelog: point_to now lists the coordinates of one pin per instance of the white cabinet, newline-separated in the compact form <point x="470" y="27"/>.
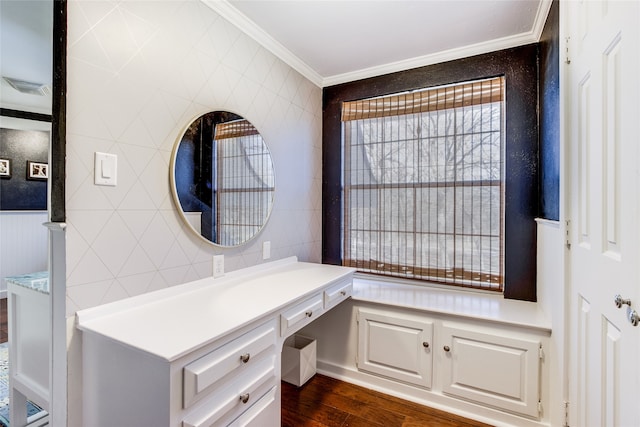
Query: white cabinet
<point x="206" y="353"/>
<point x="396" y="346"/>
<point x="491" y="367"/>
<point x="494" y="366"/>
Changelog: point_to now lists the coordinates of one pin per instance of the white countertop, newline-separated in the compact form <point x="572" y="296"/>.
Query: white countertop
<point x="467" y="304"/>
<point x="173" y="322"/>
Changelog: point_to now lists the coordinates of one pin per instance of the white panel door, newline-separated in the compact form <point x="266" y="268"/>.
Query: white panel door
<point x="491" y="368"/>
<point x="601" y="96"/>
<point x="396" y="346"/>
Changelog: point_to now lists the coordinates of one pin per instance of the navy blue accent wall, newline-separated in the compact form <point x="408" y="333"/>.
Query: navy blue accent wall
<point x="20" y="146"/>
<point x="520" y="67"/>
<point x="550" y="117"/>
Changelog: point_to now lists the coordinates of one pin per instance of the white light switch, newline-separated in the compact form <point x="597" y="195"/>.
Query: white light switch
<point x="266" y="250"/>
<point x="106" y="169"/>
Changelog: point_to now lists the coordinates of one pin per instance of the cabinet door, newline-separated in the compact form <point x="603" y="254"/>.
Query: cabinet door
<point x="493" y="369"/>
<point x="395" y="346"/>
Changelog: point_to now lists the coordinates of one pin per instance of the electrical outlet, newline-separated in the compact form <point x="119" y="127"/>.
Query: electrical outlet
<point x="266" y="250"/>
<point x="218" y="265"/>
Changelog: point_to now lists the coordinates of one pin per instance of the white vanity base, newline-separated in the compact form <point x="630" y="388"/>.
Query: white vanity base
<point x="203" y="353"/>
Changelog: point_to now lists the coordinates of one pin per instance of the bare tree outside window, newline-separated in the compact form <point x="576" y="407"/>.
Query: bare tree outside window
<point x="423" y="191"/>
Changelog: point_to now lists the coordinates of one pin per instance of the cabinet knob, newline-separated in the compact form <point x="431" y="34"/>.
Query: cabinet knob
<point x="425" y="344"/>
<point x="446" y="348"/>
<point x="309" y="313"/>
<point x="343" y="293"/>
<point x="619" y="301"/>
<point x="633" y="316"/>
<point x="244" y="398"/>
<point x="245" y="357"/>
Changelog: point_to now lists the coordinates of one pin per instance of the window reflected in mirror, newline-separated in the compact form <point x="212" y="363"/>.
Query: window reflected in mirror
<point x="223" y="179"/>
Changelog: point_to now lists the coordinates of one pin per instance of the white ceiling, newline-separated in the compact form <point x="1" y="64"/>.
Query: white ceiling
<point x="26" y="34"/>
<point x="335" y="41"/>
<point x="328" y="41"/>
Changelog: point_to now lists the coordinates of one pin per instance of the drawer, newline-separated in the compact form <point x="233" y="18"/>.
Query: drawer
<point x="235" y="356"/>
<point x="296" y="317"/>
<point x="337" y="293"/>
<point x="263" y="413"/>
<point x="225" y="404"/>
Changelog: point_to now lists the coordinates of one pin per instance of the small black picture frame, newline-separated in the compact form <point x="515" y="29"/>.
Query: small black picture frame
<point x="37" y="171"/>
<point x="5" y="168"/>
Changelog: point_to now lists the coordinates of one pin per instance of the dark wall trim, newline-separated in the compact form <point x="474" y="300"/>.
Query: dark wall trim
<point x="28" y="115"/>
<point x="57" y="171"/>
<point x="550" y="116"/>
<point x="520" y="67"/>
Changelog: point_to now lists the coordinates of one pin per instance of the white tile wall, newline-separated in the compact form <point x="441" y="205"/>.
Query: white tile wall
<point x="138" y="73"/>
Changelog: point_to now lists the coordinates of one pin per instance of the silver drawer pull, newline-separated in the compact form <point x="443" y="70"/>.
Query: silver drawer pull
<point x="244" y="398"/>
<point x="343" y="293"/>
<point x="309" y="313"/>
<point x="245" y="357"/>
<point x="633" y="316"/>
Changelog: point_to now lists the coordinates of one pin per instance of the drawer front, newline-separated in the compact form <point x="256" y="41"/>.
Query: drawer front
<point x="226" y="403"/>
<point x="263" y="413"/>
<point x="337" y="293"/>
<point x="235" y="356"/>
<point x="301" y="314"/>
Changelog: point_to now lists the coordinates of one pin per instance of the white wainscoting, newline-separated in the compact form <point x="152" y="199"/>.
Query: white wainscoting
<point x="23" y="244"/>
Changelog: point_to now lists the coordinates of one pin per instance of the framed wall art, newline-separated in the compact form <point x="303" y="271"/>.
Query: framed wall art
<point x="5" y="168"/>
<point x="37" y="171"/>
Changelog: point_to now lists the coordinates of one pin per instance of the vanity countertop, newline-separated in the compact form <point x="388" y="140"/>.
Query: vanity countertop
<point x="173" y="322"/>
<point x="38" y="282"/>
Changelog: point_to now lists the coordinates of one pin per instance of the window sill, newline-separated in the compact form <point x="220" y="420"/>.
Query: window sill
<point x="469" y="305"/>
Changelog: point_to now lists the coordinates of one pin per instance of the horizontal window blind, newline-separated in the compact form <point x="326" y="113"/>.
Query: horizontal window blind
<point x="423" y="184"/>
<point x="245" y="182"/>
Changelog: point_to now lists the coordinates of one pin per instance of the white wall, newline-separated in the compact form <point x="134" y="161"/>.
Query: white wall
<point x="23" y="244"/>
<point x="138" y="73"/>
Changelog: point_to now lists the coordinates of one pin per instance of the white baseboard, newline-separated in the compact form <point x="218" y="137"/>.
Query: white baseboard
<point x="426" y="397"/>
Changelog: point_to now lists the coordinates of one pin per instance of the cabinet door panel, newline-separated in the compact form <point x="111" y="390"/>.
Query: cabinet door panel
<point x="497" y="370"/>
<point x="395" y="346"/>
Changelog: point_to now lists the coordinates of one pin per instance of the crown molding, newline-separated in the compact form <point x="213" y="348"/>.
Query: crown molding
<point x="230" y="13"/>
<point x="250" y="28"/>
<point x="436" y="58"/>
<point x="532" y="36"/>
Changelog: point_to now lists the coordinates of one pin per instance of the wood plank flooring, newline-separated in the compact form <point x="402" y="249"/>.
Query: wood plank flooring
<point x="327" y="402"/>
<point x="4" y="325"/>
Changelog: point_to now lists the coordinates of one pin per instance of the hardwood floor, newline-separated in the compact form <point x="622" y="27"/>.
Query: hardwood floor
<point x="327" y="402"/>
<point x="4" y="325"/>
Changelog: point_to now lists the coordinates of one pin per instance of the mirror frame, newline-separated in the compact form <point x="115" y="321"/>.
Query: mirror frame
<point x="174" y="189"/>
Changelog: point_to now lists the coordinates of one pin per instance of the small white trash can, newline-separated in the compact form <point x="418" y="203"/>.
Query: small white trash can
<point x="298" y="359"/>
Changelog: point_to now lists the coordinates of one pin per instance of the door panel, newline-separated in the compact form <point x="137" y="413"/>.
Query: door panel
<point x="603" y="131"/>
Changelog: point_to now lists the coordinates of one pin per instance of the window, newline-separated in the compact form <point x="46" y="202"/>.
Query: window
<point x="245" y="182"/>
<point x="521" y="202"/>
<point x="423" y="189"/>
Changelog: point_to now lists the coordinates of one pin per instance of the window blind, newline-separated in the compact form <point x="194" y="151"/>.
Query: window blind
<point x="423" y="184"/>
<point x="245" y="181"/>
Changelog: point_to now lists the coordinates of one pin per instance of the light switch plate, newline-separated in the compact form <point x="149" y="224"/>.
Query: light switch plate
<point x="105" y="169"/>
<point x="266" y="250"/>
<point x="218" y="266"/>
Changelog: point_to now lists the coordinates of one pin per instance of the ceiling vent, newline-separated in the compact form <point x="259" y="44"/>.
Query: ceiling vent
<point x="29" y="88"/>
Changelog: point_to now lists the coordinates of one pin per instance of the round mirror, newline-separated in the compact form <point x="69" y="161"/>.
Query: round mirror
<point x="222" y="178"/>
